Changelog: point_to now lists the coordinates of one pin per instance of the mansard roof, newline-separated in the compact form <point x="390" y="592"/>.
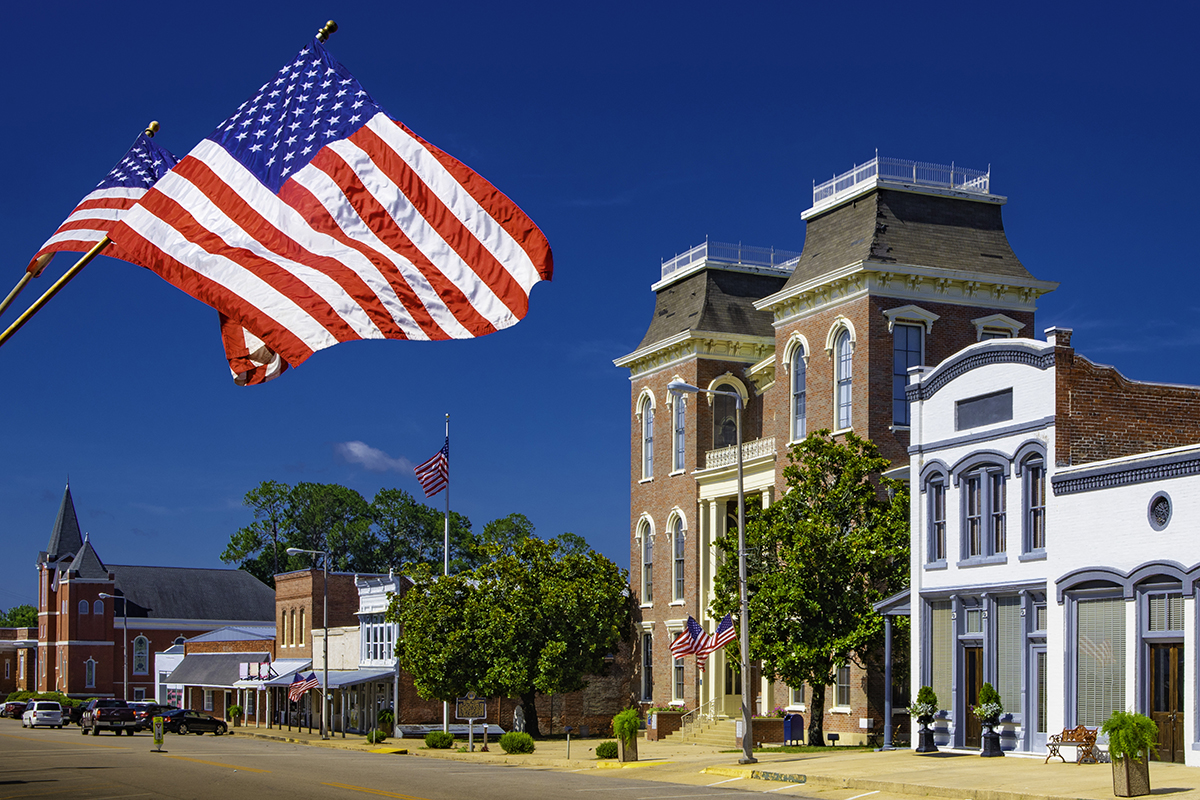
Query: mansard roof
<point x="65" y="538"/>
<point x="186" y="593"/>
<point x="713" y="300"/>
<point x="892" y="226"/>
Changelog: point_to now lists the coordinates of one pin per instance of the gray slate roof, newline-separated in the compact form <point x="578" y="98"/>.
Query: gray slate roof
<point x="186" y="593"/>
<point x="212" y="669"/>
<point x="88" y="565"/>
<point x="236" y="633"/>
<point x="65" y="538"/>
<point x="889" y="226"/>
<point x="713" y="300"/>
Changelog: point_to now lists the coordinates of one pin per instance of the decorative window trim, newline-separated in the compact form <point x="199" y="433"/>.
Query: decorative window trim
<point x="678" y="570"/>
<point x="907" y="377"/>
<point x="796" y="346"/>
<point x="911" y="314"/>
<point x="840" y="324"/>
<point x="645" y="533"/>
<point x="1028" y="454"/>
<point x="980" y="467"/>
<point x="141" y="641"/>
<point x="996" y="322"/>
<point x="789" y="350"/>
<point x="842" y="330"/>
<point x="89" y="673"/>
<point x="932" y="467"/>
<point x="646" y="400"/>
<point x="1152" y="517"/>
<point x="972" y="461"/>
<point x="677" y="402"/>
<point x="934" y="559"/>
<point x="734" y="382"/>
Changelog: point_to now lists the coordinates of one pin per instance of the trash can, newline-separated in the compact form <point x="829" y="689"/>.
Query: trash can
<point x="793" y="729"/>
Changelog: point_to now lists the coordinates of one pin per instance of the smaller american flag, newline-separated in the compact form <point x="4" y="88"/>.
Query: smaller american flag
<point x="300" y="685"/>
<point x="724" y="634"/>
<point x="688" y="639"/>
<point x="434" y="474"/>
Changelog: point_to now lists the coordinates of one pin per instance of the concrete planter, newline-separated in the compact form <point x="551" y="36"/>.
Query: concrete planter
<point x="627" y="752"/>
<point x="662" y="724"/>
<point x="766" y="730"/>
<point x="1131" y="776"/>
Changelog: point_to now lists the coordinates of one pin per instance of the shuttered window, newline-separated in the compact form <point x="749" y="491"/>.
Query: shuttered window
<point x="942" y="651"/>
<point x="1010" y="645"/>
<point x="1166" y="612"/>
<point x="1100" y="660"/>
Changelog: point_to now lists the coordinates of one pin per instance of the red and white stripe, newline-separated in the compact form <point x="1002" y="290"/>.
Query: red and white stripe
<point x="380" y="236"/>
<point x="91" y="221"/>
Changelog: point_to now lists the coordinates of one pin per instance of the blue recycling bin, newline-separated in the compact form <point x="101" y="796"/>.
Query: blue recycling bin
<point x="793" y="729"/>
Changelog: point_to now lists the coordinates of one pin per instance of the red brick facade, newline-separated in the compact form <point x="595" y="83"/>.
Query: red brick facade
<point x="299" y="607"/>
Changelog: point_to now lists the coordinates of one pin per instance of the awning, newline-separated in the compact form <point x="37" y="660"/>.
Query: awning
<point x="285" y="670"/>
<point x="339" y="678"/>
<point x="211" y="669"/>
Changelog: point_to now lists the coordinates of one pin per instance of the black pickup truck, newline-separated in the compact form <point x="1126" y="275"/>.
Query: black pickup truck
<point x="105" y="714"/>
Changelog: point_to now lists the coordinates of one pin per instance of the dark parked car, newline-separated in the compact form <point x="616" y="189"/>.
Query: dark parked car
<point x="107" y="714"/>
<point x="145" y="713"/>
<point x="185" y="720"/>
<point x="13" y="708"/>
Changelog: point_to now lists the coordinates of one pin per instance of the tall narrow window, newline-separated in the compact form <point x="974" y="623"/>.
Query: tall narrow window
<point x="799" y="390"/>
<point x="724" y="418"/>
<point x="647" y="568"/>
<point x="984" y="512"/>
<point x="208" y="699"/>
<point x="843" y="685"/>
<point x="937" y="519"/>
<point x="678" y="688"/>
<point x="845" y="381"/>
<point x="906" y="352"/>
<point x="996" y="510"/>
<point x="1100" y="660"/>
<point x="647" y="666"/>
<point x="974" y="521"/>
<point x="141" y="656"/>
<point x="300" y="628"/>
<point x="941" y="655"/>
<point x="680" y="413"/>
<point x="98" y="607"/>
<point x="677" y="541"/>
<point x="1035" y="504"/>
<point x="83" y="607"/>
<point x="89" y="674"/>
<point x="647" y="439"/>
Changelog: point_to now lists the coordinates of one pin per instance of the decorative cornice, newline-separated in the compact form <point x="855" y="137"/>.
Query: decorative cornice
<point x="698" y="344"/>
<point x="1180" y="465"/>
<point x="970" y="359"/>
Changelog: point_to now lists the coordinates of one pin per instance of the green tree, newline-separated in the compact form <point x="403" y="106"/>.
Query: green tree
<point x="410" y="532"/>
<point x="326" y="516"/>
<point x="22" y="616"/>
<point x="540" y="616"/>
<point x="834" y="544"/>
<point x="257" y="548"/>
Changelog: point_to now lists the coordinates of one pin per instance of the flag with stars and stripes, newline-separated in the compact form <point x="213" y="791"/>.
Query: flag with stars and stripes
<point x="434" y="474"/>
<point x="310" y="217"/>
<point x="96" y="214"/>
<point x="723" y="635"/>
<point x="300" y="685"/>
<point x="688" y="639"/>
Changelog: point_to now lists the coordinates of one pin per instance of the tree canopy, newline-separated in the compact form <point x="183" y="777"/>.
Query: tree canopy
<point x="536" y="616"/>
<point x="817" y="559"/>
<point x="22" y="616"/>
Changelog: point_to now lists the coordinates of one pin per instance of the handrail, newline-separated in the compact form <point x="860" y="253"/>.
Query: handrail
<point x="698" y="715"/>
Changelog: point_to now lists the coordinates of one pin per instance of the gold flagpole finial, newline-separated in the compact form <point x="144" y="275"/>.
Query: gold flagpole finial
<point x="152" y="128"/>
<point x="323" y="34"/>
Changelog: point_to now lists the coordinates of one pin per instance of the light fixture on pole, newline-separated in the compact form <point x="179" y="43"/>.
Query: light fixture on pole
<point x="295" y="551"/>
<point x="677" y="387"/>
<point x="124" y="643"/>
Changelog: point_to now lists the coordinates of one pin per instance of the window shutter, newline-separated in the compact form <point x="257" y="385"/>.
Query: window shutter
<point x="1010" y="644"/>
<point x="1100" y="654"/>
<point x="942" y="652"/>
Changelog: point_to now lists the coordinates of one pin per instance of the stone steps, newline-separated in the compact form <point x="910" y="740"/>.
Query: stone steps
<point x="723" y="733"/>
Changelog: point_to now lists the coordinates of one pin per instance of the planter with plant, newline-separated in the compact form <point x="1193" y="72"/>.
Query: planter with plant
<point x="625" y="728"/>
<point x="1131" y="739"/>
<point x="988" y="709"/>
<point x="235" y="714"/>
<point x="922" y="711"/>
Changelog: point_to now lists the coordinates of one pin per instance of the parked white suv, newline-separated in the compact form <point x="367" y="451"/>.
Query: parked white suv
<point x="42" y="712"/>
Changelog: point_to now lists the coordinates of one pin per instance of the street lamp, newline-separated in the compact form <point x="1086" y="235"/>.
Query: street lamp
<point x="295" y="551"/>
<point x="677" y="387"/>
<point x="125" y="642"/>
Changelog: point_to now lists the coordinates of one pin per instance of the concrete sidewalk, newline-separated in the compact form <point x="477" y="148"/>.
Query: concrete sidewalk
<point x="946" y="774"/>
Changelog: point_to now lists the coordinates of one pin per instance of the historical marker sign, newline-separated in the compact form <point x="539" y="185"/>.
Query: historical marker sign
<point x="470" y="707"/>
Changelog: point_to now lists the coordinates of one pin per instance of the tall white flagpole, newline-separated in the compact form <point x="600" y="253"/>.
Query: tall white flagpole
<point x="446" y="557"/>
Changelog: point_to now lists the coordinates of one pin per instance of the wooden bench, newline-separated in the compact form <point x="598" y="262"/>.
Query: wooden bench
<point x="1081" y="738"/>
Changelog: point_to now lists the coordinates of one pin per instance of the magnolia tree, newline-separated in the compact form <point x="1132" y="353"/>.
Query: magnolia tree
<point x="817" y="559"/>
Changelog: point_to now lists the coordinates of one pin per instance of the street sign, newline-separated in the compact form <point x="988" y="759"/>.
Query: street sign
<point x="470" y="707"/>
<point x="158" y="732"/>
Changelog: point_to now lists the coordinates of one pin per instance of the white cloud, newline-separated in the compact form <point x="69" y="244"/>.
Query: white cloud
<point x="370" y="458"/>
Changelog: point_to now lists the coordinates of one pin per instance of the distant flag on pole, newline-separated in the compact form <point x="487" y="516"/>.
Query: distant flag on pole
<point x="96" y="214"/>
<point x="300" y="685"/>
<point x="310" y="217"/>
<point x="434" y="474"/>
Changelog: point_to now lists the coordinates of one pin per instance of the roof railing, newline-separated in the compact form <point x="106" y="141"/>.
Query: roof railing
<point x="730" y="254"/>
<point x="900" y="170"/>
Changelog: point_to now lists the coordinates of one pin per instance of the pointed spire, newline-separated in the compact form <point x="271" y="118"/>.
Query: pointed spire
<point x="65" y="538"/>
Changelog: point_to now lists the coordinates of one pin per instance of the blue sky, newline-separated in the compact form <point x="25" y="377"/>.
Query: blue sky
<point x="629" y="132"/>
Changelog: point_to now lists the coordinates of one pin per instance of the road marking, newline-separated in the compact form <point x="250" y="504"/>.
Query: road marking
<point x="788" y="786"/>
<point x="865" y="794"/>
<point x="380" y="792"/>
<point x="727" y="780"/>
<point x="219" y="764"/>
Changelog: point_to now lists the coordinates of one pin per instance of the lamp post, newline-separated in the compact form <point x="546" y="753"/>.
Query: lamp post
<point x="293" y="551"/>
<point x="677" y="387"/>
<point x="124" y="643"/>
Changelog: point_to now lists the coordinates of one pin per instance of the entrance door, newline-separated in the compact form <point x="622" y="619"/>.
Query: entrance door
<point x="1166" y="699"/>
<point x="973" y="667"/>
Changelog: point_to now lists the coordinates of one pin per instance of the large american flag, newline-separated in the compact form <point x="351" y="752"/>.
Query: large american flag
<point x="688" y="639"/>
<point x="300" y="685"/>
<point x="723" y="635"/>
<point x="434" y="474"/>
<point x="310" y="217"/>
<point x="96" y="214"/>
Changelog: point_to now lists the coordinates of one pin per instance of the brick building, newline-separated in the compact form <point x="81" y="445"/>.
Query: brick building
<point x="903" y="264"/>
<point x="99" y="625"/>
<point x="1053" y="507"/>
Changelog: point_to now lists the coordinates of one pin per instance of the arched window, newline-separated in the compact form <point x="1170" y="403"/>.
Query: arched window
<point x="292" y="634"/>
<point x="646" y="410"/>
<point x="141" y="656"/>
<point x="1034" y="471"/>
<point x="935" y="490"/>
<point x="647" y="567"/>
<point x="680" y="437"/>
<point x="984" y="511"/>
<point x="677" y="544"/>
<point x="98" y="607"/>
<point x="799" y="387"/>
<point x="83" y="607"/>
<point x="843" y="402"/>
<point x="89" y="673"/>
<point x="724" y="417"/>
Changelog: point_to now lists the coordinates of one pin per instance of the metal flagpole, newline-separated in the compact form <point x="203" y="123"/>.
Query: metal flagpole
<point x="446" y="557"/>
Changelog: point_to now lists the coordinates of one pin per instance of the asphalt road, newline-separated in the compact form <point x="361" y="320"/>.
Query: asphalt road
<point x="48" y="764"/>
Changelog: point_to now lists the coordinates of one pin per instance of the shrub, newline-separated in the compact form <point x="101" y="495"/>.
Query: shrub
<point x="1130" y="735"/>
<point x="606" y="750"/>
<point x="517" y="742"/>
<point x="386" y="717"/>
<point x="439" y="740"/>
<point x="376" y="736"/>
<point x="989" y="705"/>
<point x="626" y="724"/>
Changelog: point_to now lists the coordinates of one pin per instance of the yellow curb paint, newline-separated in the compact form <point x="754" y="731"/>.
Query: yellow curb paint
<point x="391" y="751"/>
<point x="379" y="792"/>
<point x="629" y="764"/>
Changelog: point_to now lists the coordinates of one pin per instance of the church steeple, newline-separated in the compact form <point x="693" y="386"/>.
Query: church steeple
<point x="65" y="538"/>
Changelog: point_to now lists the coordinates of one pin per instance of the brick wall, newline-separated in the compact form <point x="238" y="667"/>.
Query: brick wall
<point x="299" y="595"/>
<point x="1101" y="414"/>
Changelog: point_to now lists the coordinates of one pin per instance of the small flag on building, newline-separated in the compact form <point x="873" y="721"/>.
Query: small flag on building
<point x="300" y="685"/>
<point x="434" y="474"/>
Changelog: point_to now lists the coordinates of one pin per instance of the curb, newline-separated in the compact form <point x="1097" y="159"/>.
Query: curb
<point x="630" y="764"/>
<point x="758" y="774"/>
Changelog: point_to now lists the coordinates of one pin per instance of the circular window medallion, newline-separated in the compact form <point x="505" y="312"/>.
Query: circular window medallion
<point x="1160" y="511"/>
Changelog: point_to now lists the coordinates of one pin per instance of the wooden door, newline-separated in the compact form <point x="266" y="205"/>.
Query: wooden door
<point x="972" y="727"/>
<point x="1166" y="699"/>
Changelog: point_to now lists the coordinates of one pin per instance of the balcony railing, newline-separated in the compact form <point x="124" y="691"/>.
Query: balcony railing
<point x="729" y="254"/>
<point x="727" y="456"/>
<point x="897" y="169"/>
